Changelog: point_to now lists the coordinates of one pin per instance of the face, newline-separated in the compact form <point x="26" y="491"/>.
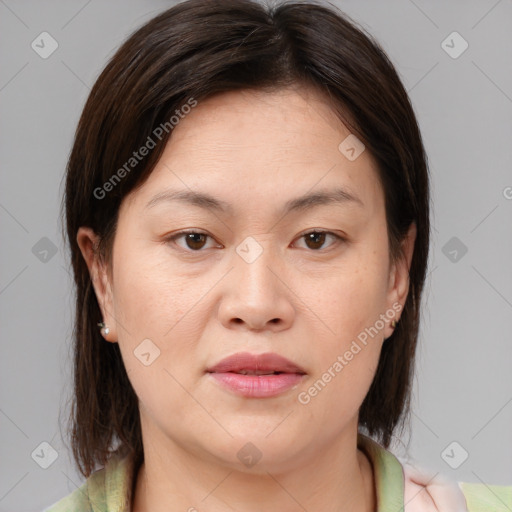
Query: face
<point x="313" y="284"/>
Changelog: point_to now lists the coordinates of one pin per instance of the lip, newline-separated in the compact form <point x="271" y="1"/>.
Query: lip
<point x="227" y="373"/>
<point x="268" y="361"/>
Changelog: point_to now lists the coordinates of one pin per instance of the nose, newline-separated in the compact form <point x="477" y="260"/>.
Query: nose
<point x="257" y="295"/>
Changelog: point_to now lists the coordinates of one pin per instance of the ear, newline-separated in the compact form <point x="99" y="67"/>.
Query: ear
<point x="88" y="242"/>
<point x="399" y="277"/>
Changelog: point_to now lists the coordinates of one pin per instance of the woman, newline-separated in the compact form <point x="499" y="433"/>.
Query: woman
<point x="247" y="208"/>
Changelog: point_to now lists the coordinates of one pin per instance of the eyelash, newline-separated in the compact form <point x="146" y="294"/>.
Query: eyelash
<point x="181" y="234"/>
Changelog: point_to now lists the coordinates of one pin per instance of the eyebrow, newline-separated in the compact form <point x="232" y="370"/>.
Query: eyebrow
<point x="302" y="203"/>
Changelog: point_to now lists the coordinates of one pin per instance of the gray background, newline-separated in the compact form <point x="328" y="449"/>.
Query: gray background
<point x="463" y="389"/>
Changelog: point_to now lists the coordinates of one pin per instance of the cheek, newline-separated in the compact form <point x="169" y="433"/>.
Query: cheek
<point x="350" y="306"/>
<point x="156" y="330"/>
<point x="347" y="358"/>
<point x="147" y="296"/>
<point x="154" y="302"/>
<point x="352" y="299"/>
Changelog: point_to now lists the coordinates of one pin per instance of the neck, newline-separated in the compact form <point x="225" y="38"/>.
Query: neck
<point x="184" y="481"/>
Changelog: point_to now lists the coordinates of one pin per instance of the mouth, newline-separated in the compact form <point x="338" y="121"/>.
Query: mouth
<point x="245" y="363"/>
<point x="257" y="376"/>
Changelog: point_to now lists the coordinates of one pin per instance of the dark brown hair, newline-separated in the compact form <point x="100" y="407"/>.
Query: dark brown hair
<point x="196" y="49"/>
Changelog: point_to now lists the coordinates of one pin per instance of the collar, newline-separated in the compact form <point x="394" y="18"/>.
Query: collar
<point x="388" y="475"/>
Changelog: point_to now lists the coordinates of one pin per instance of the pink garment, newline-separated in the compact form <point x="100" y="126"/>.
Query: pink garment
<point x="427" y="491"/>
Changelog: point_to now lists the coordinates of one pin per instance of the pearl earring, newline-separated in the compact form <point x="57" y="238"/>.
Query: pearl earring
<point x="104" y="329"/>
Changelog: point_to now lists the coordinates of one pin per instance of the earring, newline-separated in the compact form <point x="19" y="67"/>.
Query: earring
<point x="104" y="329"/>
<point x="393" y="324"/>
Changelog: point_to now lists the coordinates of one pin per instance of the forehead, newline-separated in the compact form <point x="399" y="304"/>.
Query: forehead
<point x="257" y="146"/>
<point x="292" y="124"/>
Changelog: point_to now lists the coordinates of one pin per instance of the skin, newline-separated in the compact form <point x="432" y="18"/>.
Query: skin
<point x="307" y="302"/>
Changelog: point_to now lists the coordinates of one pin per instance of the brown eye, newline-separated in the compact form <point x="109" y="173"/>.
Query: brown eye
<point x="194" y="240"/>
<point x="316" y="239"/>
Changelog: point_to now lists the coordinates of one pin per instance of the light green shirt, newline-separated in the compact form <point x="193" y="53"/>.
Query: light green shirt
<point x="110" y="488"/>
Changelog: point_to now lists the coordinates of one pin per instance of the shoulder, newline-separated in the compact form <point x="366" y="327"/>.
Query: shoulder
<point x="106" y="490"/>
<point x="483" y="497"/>
<point x="85" y="498"/>
<point x="77" y="501"/>
<point x="426" y="492"/>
